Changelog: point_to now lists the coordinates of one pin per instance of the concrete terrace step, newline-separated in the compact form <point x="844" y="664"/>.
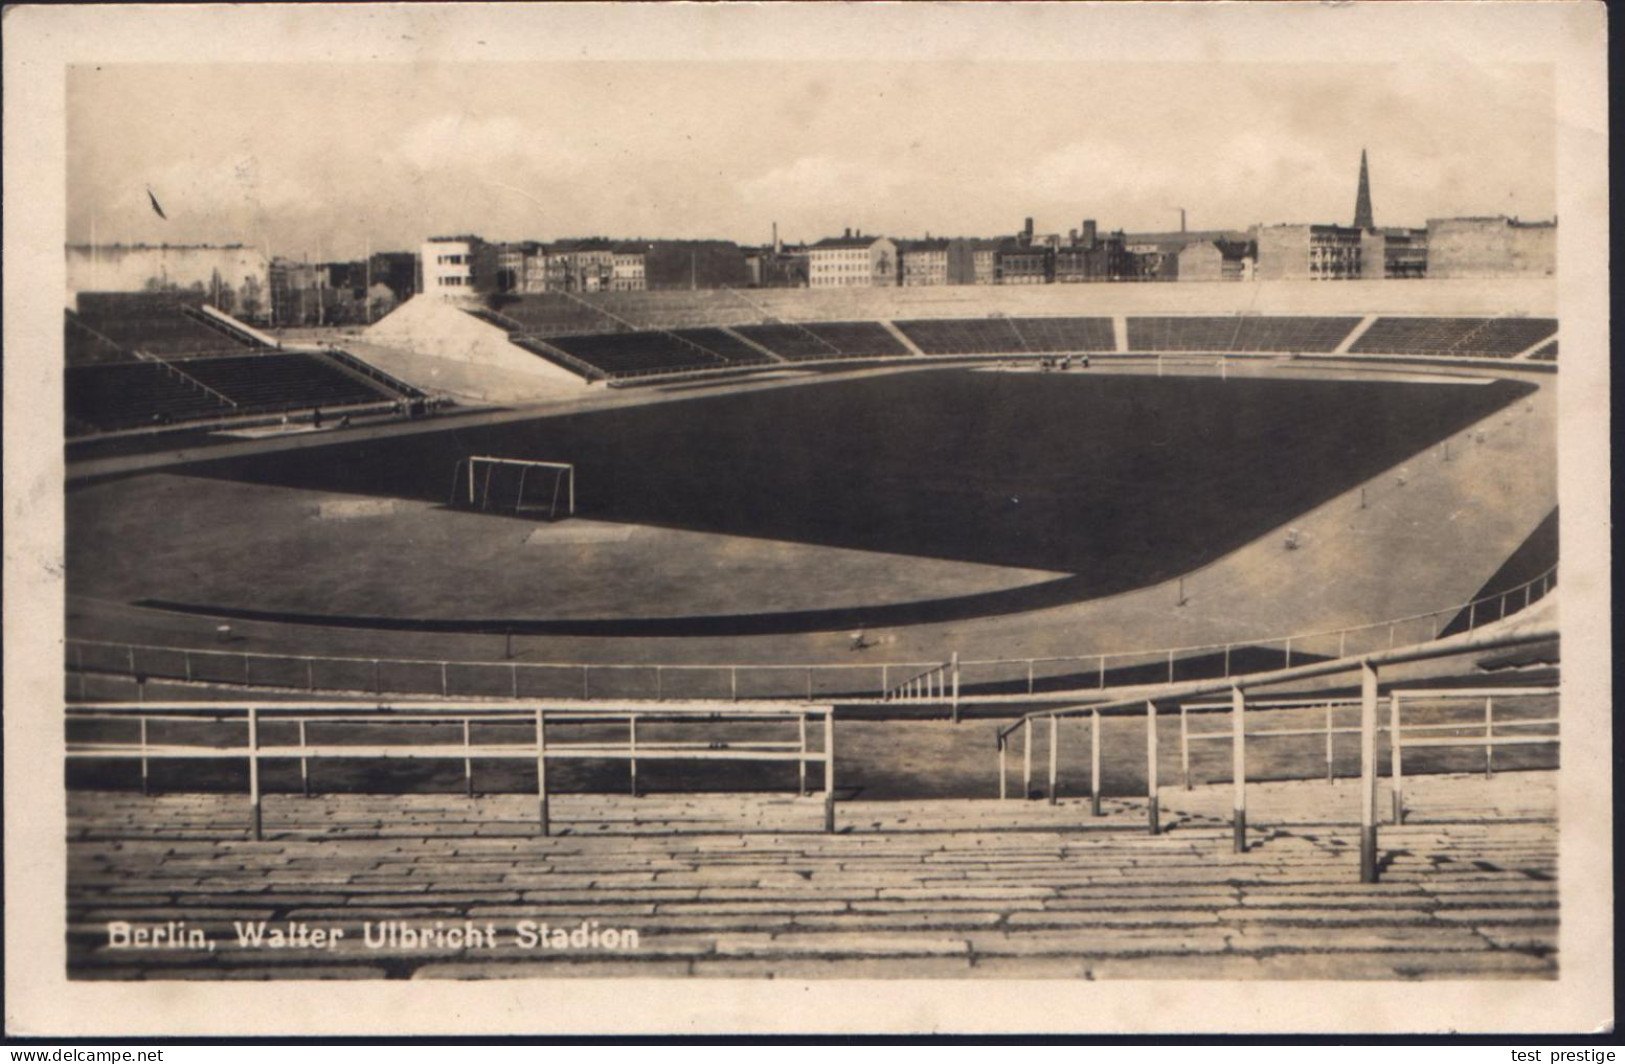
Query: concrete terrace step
<point x="747" y="886"/>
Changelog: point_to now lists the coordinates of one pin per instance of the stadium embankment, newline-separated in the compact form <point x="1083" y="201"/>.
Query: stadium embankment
<point x="437" y="346"/>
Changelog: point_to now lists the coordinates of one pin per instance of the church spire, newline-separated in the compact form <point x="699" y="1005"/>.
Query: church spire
<point x="1362" y="199"/>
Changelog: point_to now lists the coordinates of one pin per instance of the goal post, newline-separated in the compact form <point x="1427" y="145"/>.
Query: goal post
<point x="520" y="486"/>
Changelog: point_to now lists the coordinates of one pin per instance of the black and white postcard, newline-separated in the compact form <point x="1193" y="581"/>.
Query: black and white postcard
<point x="752" y="518"/>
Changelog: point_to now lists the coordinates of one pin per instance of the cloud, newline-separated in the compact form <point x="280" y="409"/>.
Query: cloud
<point x="821" y="193"/>
<point x="461" y="142"/>
<point x="233" y="196"/>
<point x="821" y="177"/>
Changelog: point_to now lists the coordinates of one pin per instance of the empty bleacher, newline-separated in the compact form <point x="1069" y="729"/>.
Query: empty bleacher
<point x="622" y="334"/>
<point x="677" y="310"/>
<point x="168" y="325"/>
<point x="1002" y="335"/>
<point x="735" y="885"/>
<point x="550" y="315"/>
<point x="83" y="345"/>
<point x="1064" y="335"/>
<point x="1546" y="353"/>
<point x="823" y="340"/>
<point x="793" y="342"/>
<point x="1238" y="334"/>
<point x="132" y="394"/>
<point x="636" y="354"/>
<point x="284" y="380"/>
<point x="730" y="349"/>
<point x="136" y="394"/>
<point x="963" y="336"/>
<point x="544" y="350"/>
<point x="1454" y="337"/>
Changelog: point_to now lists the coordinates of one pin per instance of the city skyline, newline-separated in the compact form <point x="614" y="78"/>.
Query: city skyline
<point x="302" y="159"/>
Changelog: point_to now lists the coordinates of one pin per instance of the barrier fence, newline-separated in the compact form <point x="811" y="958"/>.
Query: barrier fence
<point x="943" y="682"/>
<point x="307" y="717"/>
<point x="1401" y="735"/>
<point x="1398" y="731"/>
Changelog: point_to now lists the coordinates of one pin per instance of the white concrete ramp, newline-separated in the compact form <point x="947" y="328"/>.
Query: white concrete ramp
<point x="440" y="330"/>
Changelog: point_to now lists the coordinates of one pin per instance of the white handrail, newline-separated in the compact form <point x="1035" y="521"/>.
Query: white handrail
<point x="944" y="677"/>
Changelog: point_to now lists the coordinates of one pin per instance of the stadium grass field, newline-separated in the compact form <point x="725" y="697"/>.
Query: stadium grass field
<point x="1116" y="482"/>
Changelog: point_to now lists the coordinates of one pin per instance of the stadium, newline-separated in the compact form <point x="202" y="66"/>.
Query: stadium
<point x="812" y="578"/>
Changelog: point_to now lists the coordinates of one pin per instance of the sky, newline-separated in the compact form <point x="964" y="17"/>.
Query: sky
<point x="326" y="160"/>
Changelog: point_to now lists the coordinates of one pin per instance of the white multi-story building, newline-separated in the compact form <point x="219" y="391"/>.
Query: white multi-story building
<point x="852" y="262"/>
<point x="456" y="267"/>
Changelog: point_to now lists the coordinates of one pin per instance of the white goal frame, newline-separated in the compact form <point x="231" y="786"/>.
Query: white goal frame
<point x="481" y="498"/>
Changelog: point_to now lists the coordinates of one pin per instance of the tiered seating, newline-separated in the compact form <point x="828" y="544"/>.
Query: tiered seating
<point x="820" y="340"/>
<point x="1009" y="336"/>
<point x="1062" y="335"/>
<point x="283" y="381"/>
<point x="744" y="885"/>
<point x="492" y="317"/>
<point x="636" y="354"/>
<point x="1454" y="337"/>
<point x="83" y="346"/>
<point x="674" y="310"/>
<point x="155" y="323"/>
<point x="860" y="339"/>
<point x="1238" y="334"/>
<point x="963" y="336"/>
<point x="1547" y="353"/>
<point x="136" y="394"/>
<point x="542" y="350"/>
<point x="788" y="341"/>
<point x="555" y="315"/>
<point x="132" y="394"/>
<point x="730" y="349"/>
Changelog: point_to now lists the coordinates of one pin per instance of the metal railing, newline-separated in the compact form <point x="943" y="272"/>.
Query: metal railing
<point x="1330" y="730"/>
<point x="542" y="349"/>
<point x="496" y="317"/>
<point x="373" y="373"/>
<point x="1398" y="730"/>
<point x="938" y="682"/>
<point x="224" y="326"/>
<point x="1368" y="667"/>
<point x="305" y="716"/>
<point x="1035" y="675"/>
<point x="219" y="319"/>
<point x="935" y="684"/>
<point x="179" y="374"/>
